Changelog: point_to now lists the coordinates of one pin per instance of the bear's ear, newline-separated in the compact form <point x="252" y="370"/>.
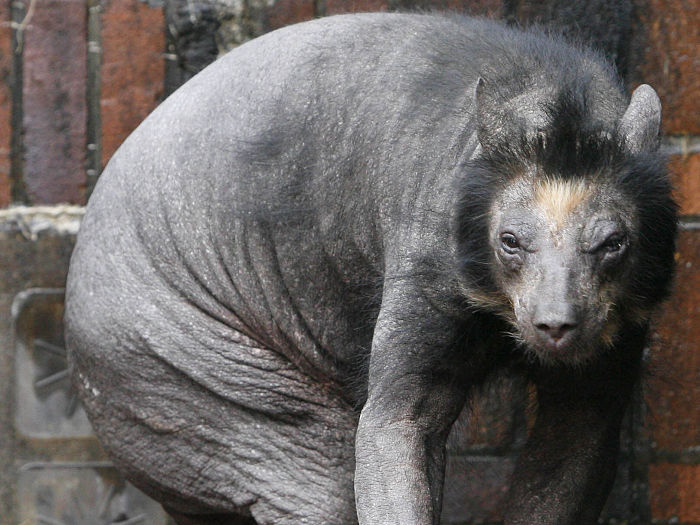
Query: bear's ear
<point x="478" y="93"/>
<point x="639" y="126"/>
<point x="504" y="119"/>
<point x="494" y="124"/>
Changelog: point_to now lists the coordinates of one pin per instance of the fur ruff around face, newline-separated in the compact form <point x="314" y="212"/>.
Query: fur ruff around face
<point x="552" y="170"/>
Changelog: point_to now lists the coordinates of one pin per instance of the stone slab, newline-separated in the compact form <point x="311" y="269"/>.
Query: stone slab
<point x="82" y="493"/>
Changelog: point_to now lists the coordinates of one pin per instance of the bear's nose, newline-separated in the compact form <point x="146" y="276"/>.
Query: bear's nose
<point x="555" y="330"/>
<point x="554" y="321"/>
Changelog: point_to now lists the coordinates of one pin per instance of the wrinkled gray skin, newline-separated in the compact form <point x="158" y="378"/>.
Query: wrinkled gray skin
<point x="250" y="323"/>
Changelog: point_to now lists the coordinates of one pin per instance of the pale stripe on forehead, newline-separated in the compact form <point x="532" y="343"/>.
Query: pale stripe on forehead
<point x="557" y="198"/>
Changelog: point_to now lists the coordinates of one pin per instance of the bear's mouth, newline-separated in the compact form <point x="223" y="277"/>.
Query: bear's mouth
<point x="561" y="346"/>
<point x="572" y="347"/>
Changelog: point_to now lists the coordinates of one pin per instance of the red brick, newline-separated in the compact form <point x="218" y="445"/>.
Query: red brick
<point x="475" y="7"/>
<point x="673" y="492"/>
<point x="55" y="111"/>
<point x="686" y="172"/>
<point x="334" y="7"/>
<point x="667" y="34"/>
<point x="286" y="12"/>
<point x="133" y="68"/>
<point x="5" y="104"/>
<point x="490" y="8"/>
<point x="529" y="10"/>
<point x="674" y="389"/>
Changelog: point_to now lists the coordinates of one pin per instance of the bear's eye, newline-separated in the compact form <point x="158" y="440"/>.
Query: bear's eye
<point x="510" y="242"/>
<point x="614" y="243"/>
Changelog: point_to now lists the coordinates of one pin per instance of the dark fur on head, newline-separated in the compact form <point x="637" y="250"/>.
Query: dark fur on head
<point x="573" y="145"/>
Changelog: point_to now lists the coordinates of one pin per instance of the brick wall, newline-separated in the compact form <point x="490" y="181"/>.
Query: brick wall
<point x="76" y="76"/>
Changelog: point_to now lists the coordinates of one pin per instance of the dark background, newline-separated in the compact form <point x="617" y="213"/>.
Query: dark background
<point x="76" y="76"/>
